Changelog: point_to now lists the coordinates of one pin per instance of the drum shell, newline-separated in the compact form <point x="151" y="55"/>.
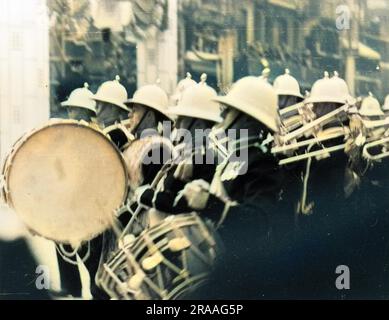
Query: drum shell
<point x="191" y="271"/>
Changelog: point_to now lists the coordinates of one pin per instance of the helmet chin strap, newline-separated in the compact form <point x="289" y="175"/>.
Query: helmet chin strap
<point x="185" y="123"/>
<point x="111" y="116"/>
<point x="81" y="114"/>
<point x="258" y="136"/>
<point x="147" y="121"/>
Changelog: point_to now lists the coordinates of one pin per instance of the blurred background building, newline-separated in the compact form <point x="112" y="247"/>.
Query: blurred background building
<point x="94" y="40"/>
<point x="302" y="35"/>
<point x="146" y="40"/>
<point x="50" y="47"/>
<point x="24" y="69"/>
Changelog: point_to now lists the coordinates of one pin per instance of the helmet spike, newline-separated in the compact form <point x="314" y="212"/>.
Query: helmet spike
<point x="203" y="78"/>
<point x="287" y="71"/>
<point x="188" y="75"/>
<point x="326" y="74"/>
<point x="265" y="73"/>
<point x="336" y="74"/>
<point x="86" y="85"/>
<point x="117" y="78"/>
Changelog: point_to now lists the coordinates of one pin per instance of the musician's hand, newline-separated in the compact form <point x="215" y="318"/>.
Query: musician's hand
<point x="196" y="194"/>
<point x="140" y="191"/>
<point x="360" y="140"/>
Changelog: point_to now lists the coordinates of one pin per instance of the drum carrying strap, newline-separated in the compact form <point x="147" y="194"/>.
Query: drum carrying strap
<point x="74" y="258"/>
<point x="217" y="189"/>
<point x="85" y="279"/>
<point x="302" y="206"/>
<point x="225" y="172"/>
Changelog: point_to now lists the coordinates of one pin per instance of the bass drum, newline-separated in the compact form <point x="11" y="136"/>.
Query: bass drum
<point x="167" y="261"/>
<point x="65" y="180"/>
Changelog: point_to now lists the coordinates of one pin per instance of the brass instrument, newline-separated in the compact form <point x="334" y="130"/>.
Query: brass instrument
<point x="368" y="152"/>
<point x="288" y="143"/>
<point x="319" y="122"/>
<point x="291" y="108"/>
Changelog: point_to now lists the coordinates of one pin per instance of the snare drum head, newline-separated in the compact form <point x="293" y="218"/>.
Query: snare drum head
<point x="65" y="181"/>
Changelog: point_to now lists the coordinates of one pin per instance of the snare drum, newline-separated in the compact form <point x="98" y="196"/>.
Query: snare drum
<point x="145" y="157"/>
<point x="65" y="180"/>
<point x="167" y="261"/>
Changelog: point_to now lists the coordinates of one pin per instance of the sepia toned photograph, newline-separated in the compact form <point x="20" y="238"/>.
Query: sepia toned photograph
<point x="202" y="150"/>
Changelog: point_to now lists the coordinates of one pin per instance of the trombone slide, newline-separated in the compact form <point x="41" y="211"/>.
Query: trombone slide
<point x="291" y="108"/>
<point x="369" y="124"/>
<point x="292" y="123"/>
<point x="297" y="145"/>
<point x="312" y="154"/>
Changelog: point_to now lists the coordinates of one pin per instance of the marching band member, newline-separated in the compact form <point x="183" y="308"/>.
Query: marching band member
<point x="253" y="183"/>
<point x="149" y="150"/>
<point x="148" y="117"/>
<point x="329" y="95"/>
<point x="196" y="113"/>
<point x="80" y="105"/>
<point x="336" y="215"/>
<point x="371" y="199"/>
<point x="112" y="112"/>
<point x="148" y="110"/>
<point x="288" y="90"/>
<point x="289" y="96"/>
<point x="78" y="265"/>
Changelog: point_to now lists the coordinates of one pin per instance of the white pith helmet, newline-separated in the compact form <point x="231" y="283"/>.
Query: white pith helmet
<point x="112" y="92"/>
<point x="328" y="89"/>
<point x="255" y="97"/>
<point x="386" y="104"/>
<point x="81" y="98"/>
<point x="153" y="96"/>
<point x="370" y="107"/>
<point x="182" y="86"/>
<point x="287" y="85"/>
<point x="198" y="102"/>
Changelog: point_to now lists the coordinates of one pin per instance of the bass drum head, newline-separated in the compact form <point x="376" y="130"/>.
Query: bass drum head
<point x="65" y="182"/>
